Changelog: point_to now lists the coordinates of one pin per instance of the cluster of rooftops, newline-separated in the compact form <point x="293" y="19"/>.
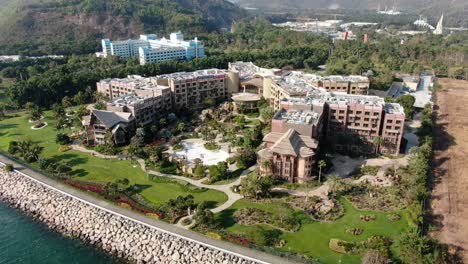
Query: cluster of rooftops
<point x="150" y="82"/>
<point x="128" y="100"/>
<point x="200" y="74"/>
<point x="299" y="117"/>
<point x="293" y="82"/>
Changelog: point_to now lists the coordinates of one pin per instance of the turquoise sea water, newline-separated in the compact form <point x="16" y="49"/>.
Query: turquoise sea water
<point x="24" y="241"/>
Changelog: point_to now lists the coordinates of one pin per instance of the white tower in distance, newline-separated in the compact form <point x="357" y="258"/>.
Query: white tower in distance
<point x="440" y="27"/>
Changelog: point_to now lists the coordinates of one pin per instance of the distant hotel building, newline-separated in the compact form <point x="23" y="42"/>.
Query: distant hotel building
<point x="150" y="48"/>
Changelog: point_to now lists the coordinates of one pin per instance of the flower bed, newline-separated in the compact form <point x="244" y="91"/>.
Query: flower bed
<point x="212" y="146"/>
<point x="39" y="126"/>
<point x="367" y="218"/>
<point x="355" y="231"/>
<point x="238" y="240"/>
<point x="319" y="209"/>
<point x="380" y="243"/>
<point x="95" y="188"/>
<point x="253" y="216"/>
<point x="137" y="207"/>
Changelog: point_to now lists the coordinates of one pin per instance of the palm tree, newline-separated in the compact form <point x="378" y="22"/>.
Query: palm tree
<point x="266" y="164"/>
<point x="67" y="102"/>
<point x="321" y="164"/>
<point x="336" y="184"/>
<point x="378" y="142"/>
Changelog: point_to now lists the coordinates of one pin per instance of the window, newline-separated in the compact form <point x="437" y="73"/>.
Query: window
<point x="278" y="167"/>
<point x="389" y="121"/>
<point x="367" y="113"/>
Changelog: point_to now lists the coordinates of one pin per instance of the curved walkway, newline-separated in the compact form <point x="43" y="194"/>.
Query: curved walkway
<point x="245" y="253"/>
<point x="226" y="188"/>
<point x="321" y="191"/>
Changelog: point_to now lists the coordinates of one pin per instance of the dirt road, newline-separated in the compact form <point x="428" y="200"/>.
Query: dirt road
<point x="450" y="192"/>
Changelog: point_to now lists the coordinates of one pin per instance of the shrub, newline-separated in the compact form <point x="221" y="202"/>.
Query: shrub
<point x="153" y="215"/>
<point x="106" y="149"/>
<point x="238" y="240"/>
<point x="8" y="167"/>
<point x="13" y="147"/>
<point x="337" y="245"/>
<point x="125" y="205"/>
<point x="64" y="148"/>
<point x="62" y="139"/>
<point x="199" y="171"/>
<point x="178" y="147"/>
<point x="355" y="231"/>
<point x="283" y="219"/>
<point x="264" y="237"/>
<point x="86" y="186"/>
<point x="186" y="222"/>
<point x="214" y="235"/>
<point x="212" y="146"/>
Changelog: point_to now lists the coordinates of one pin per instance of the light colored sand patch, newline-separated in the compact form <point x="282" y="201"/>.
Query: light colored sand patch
<point x="197" y="150"/>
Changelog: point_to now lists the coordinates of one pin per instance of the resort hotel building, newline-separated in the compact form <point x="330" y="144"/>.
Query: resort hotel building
<point x="150" y="48"/>
<point x="342" y="122"/>
<point x="146" y="100"/>
<point x="312" y="112"/>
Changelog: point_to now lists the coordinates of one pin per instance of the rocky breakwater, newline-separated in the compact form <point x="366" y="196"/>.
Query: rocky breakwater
<point x="121" y="237"/>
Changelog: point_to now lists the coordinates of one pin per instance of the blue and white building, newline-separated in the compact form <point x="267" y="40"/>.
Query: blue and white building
<point x="150" y="48"/>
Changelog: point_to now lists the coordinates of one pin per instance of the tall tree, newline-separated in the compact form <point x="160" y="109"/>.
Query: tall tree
<point x="321" y="164"/>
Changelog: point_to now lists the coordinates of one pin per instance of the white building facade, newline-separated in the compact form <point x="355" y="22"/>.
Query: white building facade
<point x="150" y="48"/>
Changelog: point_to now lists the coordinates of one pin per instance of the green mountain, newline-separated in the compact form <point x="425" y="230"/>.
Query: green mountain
<point x="22" y="21"/>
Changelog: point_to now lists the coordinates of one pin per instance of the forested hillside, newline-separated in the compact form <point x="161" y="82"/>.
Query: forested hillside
<point x="35" y="23"/>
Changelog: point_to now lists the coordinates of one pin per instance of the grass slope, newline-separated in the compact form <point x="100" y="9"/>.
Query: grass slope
<point x="89" y="168"/>
<point x="313" y="237"/>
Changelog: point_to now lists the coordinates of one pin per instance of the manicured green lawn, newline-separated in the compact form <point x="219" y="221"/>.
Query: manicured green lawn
<point x="89" y="168"/>
<point x="313" y="237"/>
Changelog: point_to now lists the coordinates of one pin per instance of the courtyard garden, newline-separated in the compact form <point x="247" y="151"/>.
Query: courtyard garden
<point x="94" y="170"/>
<point x="338" y="227"/>
<point x="312" y="237"/>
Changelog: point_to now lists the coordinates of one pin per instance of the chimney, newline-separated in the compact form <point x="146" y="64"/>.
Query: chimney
<point x="366" y="38"/>
<point x="346" y="35"/>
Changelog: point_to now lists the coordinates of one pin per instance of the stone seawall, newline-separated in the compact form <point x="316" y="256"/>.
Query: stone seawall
<point x="114" y="234"/>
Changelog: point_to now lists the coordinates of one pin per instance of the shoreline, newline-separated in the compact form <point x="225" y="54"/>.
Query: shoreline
<point x="113" y="234"/>
<point x="42" y="232"/>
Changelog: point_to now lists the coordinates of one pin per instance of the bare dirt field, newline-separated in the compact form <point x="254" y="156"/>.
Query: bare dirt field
<point x="450" y="191"/>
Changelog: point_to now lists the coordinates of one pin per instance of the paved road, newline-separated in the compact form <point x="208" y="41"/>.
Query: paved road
<point x="226" y="247"/>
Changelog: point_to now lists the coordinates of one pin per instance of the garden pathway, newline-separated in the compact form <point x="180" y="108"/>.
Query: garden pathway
<point x="80" y="148"/>
<point x="343" y="166"/>
<point x="226" y="188"/>
<point x="321" y="191"/>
